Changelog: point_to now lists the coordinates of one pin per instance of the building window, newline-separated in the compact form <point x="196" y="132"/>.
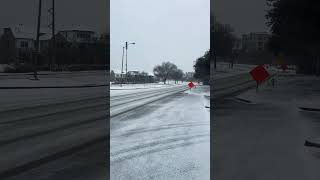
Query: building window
<point x="24" y="44"/>
<point x="83" y="35"/>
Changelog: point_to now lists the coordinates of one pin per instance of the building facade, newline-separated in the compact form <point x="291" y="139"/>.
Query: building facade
<point x="72" y="47"/>
<point x="79" y="36"/>
<point x="25" y="46"/>
<point x="7" y="46"/>
<point x="189" y="76"/>
<point x="255" y="41"/>
<point x="133" y="77"/>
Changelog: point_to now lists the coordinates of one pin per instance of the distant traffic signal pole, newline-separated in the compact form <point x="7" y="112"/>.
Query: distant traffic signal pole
<point x="127" y="44"/>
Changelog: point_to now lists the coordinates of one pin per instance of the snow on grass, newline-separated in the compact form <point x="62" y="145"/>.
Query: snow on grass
<point x="137" y="86"/>
<point x="116" y="89"/>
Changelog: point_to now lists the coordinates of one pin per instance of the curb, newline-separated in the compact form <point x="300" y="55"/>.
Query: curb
<point x="310" y="109"/>
<point x="52" y="87"/>
<point x="243" y="100"/>
<point x="311" y="144"/>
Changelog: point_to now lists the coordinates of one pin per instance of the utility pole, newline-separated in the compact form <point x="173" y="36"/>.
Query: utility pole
<point x="53" y="40"/>
<point x="37" y="42"/>
<point x="126" y="46"/>
<point x="122" y="65"/>
<point x="53" y="33"/>
<point x="126" y="61"/>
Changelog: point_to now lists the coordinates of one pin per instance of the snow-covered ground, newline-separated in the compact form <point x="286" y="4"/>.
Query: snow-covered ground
<point x="53" y="79"/>
<point x="182" y="130"/>
<point x="140" y="86"/>
<point x="167" y="139"/>
<point x="223" y="70"/>
<point x="262" y="134"/>
<point x="116" y="89"/>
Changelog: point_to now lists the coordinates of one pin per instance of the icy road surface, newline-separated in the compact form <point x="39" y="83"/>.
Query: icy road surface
<point x="167" y="139"/>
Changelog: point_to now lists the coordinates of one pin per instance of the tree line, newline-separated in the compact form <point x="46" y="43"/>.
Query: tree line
<point x="295" y="31"/>
<point x="202" y="68"/>
<point x="168" y="70"/>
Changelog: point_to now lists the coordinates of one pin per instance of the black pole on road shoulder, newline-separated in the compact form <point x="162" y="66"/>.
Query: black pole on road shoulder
<point x="126" y="62"/>
<point x="35" y="73"/>
<point x="53" y="34"/>
<point x="121" y="81"/>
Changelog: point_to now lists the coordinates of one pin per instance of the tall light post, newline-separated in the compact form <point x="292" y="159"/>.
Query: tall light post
<point x="122" y="65"/>
<point x="127" y="44"/>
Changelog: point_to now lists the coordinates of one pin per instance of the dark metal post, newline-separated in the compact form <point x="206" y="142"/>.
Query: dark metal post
<point x="37" y="41"/>
<point x="127" y="62"/>
<point x="53" y="34"/>
<point x="122" y="66"/>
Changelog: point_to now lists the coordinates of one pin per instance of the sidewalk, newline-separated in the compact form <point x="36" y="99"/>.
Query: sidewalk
<point x="53" y="80"/>
<point x="11" y="75"/>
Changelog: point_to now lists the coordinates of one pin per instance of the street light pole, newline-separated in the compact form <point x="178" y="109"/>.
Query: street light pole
<point x="127" y="59"/>
<point x="126" y="62"/>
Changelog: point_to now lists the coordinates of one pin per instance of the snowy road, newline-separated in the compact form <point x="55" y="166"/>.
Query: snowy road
<point x="166" y="139"/>
<point x="125" y="102"/>
<point x="43" y="126"/>
<point x="39" y="126"/>
<point x="68" y="120"/>
<point x="43" y="129"/>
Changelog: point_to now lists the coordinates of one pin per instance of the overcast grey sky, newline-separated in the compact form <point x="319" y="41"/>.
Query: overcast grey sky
<point x="88" y="13"/>
<point x="166" y="30"/>
<point x="244" y="15"/>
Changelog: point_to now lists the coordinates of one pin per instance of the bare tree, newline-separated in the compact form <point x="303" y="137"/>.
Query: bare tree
<point x="164" y="70"/>
<point x="177" y="75"/>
